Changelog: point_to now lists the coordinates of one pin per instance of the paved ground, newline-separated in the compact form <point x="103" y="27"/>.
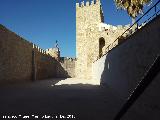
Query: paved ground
<point x="85" y="102"/>
<point x="73" y="81"/>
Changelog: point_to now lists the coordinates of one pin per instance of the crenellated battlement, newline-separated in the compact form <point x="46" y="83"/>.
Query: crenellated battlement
<point x="36" y="47"/>
<point x="88" y="10"/>
<point x="88" y="3"/>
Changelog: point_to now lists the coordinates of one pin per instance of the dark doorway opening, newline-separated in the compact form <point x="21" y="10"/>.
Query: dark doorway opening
<point x="101" y="45"/>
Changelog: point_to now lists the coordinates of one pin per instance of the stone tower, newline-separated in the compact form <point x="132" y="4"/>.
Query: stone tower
<point x="88" y="17"/>
<point x="93" y="36"/>
<point x="54" y="52"/>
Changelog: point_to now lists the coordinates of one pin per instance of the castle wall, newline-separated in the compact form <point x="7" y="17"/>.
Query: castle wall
<point x="54" y="52"/>
<point x="125" y="65"/>
<point x="68" y="65"/>
<point x="22" y="61"/>
<point x="88" y="16"/>
<point x="45" y="65"/>
<point x="110" y="34"/>
<point x="89" y="30"/>
<point x="15" y="57"/>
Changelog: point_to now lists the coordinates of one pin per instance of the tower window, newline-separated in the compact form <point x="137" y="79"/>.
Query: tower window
<point x="101" y="46"/>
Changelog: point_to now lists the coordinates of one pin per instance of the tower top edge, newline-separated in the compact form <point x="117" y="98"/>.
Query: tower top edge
<point x="88" y="3"/>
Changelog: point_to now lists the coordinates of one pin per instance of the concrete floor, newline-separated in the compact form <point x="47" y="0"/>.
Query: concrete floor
<point x="85" y="102"/>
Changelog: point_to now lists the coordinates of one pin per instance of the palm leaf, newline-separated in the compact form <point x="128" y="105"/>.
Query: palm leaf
<point x="133" y="7"/>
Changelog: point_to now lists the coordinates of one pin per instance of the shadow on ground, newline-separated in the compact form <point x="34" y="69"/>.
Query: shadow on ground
<point x="85" y="102"/>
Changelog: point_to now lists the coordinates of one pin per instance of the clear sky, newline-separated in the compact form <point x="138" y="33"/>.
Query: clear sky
<point x="45" y="21"/>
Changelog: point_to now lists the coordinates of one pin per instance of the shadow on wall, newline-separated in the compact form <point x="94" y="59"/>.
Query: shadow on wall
<point x="46" y="66"/>
<point x="68" y="64"/>
<point x="146" y="83"/>
<point x="61" y="72"/>
<point x="126" y="64"/>
<point x="112" y="75"/>
<point x="147" y="102"/>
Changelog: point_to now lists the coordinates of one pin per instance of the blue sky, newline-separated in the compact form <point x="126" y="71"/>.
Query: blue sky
<point x="45" y="21"/>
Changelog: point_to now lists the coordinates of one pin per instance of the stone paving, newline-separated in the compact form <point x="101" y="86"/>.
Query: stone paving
<point x="84" y="101"/>
<point x="73" y="81"/>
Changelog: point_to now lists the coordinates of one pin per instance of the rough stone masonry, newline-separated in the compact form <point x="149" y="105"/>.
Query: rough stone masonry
<point x="93" y="36"/>
<point x="21" y="60"/>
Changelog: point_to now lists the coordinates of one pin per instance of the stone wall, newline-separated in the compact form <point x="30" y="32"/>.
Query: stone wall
<point x="90" y="29"/>
<point x="22" y="61"/>
<point x="45" y="65"/>
<point x="69" y="65"/>
<point x="87" y="18"/>
<point x="15" y="57"/>
<point x="125" y="65"/>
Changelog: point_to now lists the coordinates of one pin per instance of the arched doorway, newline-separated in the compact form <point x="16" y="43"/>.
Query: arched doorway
<point x="101" y="45"/>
